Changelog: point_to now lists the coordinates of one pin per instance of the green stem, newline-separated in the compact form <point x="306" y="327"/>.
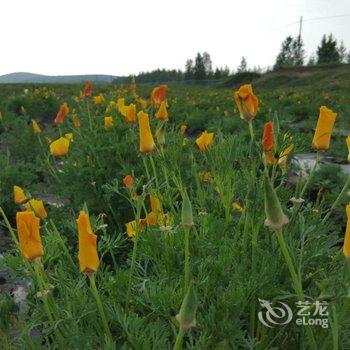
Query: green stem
<point x="96" y="295"/>
<point x="41" y="284"/>
<point x="146" y="168"/>
<point x="179" y="339"/>
<point x="296" y="282"/>
<point x="339" y="198"/>
<point x="252" y="136"/>
<point x="62" y="244"/>
<point x="9" y="227"/>
<point x="154" y="171"/>
<point x="187" y="260"/>
<point x="134" y="252"/>
<point x="311" y="175"/>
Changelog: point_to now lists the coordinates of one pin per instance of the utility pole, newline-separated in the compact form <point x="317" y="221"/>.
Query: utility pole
<point x="300" y="26"/>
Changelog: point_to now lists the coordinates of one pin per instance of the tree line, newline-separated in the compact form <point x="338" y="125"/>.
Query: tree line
<point x="292" y="54"/>
<point x="329" y="51"/>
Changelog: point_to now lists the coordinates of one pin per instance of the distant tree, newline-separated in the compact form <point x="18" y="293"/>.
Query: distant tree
<point x="342" y="52"/>
<point x="242" y="66"/>
<point x="348" y="58"/>
<point x="217" y="73"/>
<point x="312" y="60"/>
<point x="199" y="68"/>
<point x="208" y="65"/>
<point x="189" y="70"/>
<point x="298" y="52"/>
<point x="292" y="53"/>
<point x="327" y="51"/>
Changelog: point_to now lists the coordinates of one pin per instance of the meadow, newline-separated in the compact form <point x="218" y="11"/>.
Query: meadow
<point x="160" y="217"/>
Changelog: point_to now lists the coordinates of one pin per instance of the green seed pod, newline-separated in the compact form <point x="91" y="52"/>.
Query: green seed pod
<point x="187" y="315"/>
<point x="186" y="212"/>
<point x="275" y="218"/>
<point x="160" y="135"/>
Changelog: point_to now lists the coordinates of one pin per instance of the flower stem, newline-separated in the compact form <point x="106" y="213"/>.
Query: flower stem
<point x="311" y="175"/>
<point x="179" y="339"/>
<point x="96" y="295"/>
<point x="187" y="260"/>
<point x="296" y="282"/>
<point x="339" y="198"/>
<point x="9" y="227"/>
<point x="154" y="171"/>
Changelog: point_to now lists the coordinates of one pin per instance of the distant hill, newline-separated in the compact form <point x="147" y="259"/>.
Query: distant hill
<point x="23" y="77"/>
<point x="325" y="75"/>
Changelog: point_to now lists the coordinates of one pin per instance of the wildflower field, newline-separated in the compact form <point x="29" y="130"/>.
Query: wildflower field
<point x="174" y="216"/>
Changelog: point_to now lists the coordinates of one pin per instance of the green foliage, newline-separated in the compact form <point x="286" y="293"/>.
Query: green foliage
<point x="328" y="51"/>
<point x="292" y="53"/>
<point x="234" y="258"/>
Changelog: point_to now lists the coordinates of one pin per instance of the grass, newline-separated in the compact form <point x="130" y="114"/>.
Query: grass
<point x="229" y="256"/>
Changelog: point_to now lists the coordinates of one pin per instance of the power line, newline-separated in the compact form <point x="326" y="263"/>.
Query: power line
<point x="315" y="19"/>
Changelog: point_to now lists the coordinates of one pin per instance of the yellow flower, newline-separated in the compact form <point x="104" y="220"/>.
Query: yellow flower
<point x="162" y="112"/>
<point x="183" y="128"/>
<point x="155" y="203"/>
<point x="282" y="160"/>
<point x="88" y="257"/>
<point x="37" y="206"/>
<point x="76" y="121"/>
<point x="99" y="99"/>
<point x="130" y="113"/>
<point x="19" y="195"/>
<point x="121" y="104"/>
<point x="205" y="176"/>
<point x="147" y="144"/>
<point x="324" y="129"/>
<point x="205" y="140"/>
<point x="346" y="246"/>
<point x="152" y="218"/>
<point x="237" y="206"/>
<point x="131" y="227"/>
<point x="247" y="102"/>
<point x="59" y="147"/>
<point x="348" y="144"/>
<point x="29" y="235"/>
<point x="108" y="122"/>
<point x="69" y="136"/>
<point x="36" y="127"/>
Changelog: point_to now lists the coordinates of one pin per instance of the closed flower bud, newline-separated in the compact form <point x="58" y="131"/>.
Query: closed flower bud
<point x="108" y="122"/>
<point x="186" y="212"/>
<point x="160" y="135"/>
<point x="88" y="257"/>
<point x="158" y="94"/>
<point x="348" y="144"/>
<point x="59" y="147"/>
<point x="246" y="102"/>
<point x="37" y="206"/>
<point x="19" y="195"/>
<point x="87" y="89"/>
<point x="62" y="113"/>
<point x="205" y="140"/>
<point x="29" y="235"/>
<point x="162" y="112"/>
<point x="36" y="127"/>
<point x="187" y="315"/>
<point x="147" y="144"/>
<point x="275" y="217"/>
<point x="324" y="128"/>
